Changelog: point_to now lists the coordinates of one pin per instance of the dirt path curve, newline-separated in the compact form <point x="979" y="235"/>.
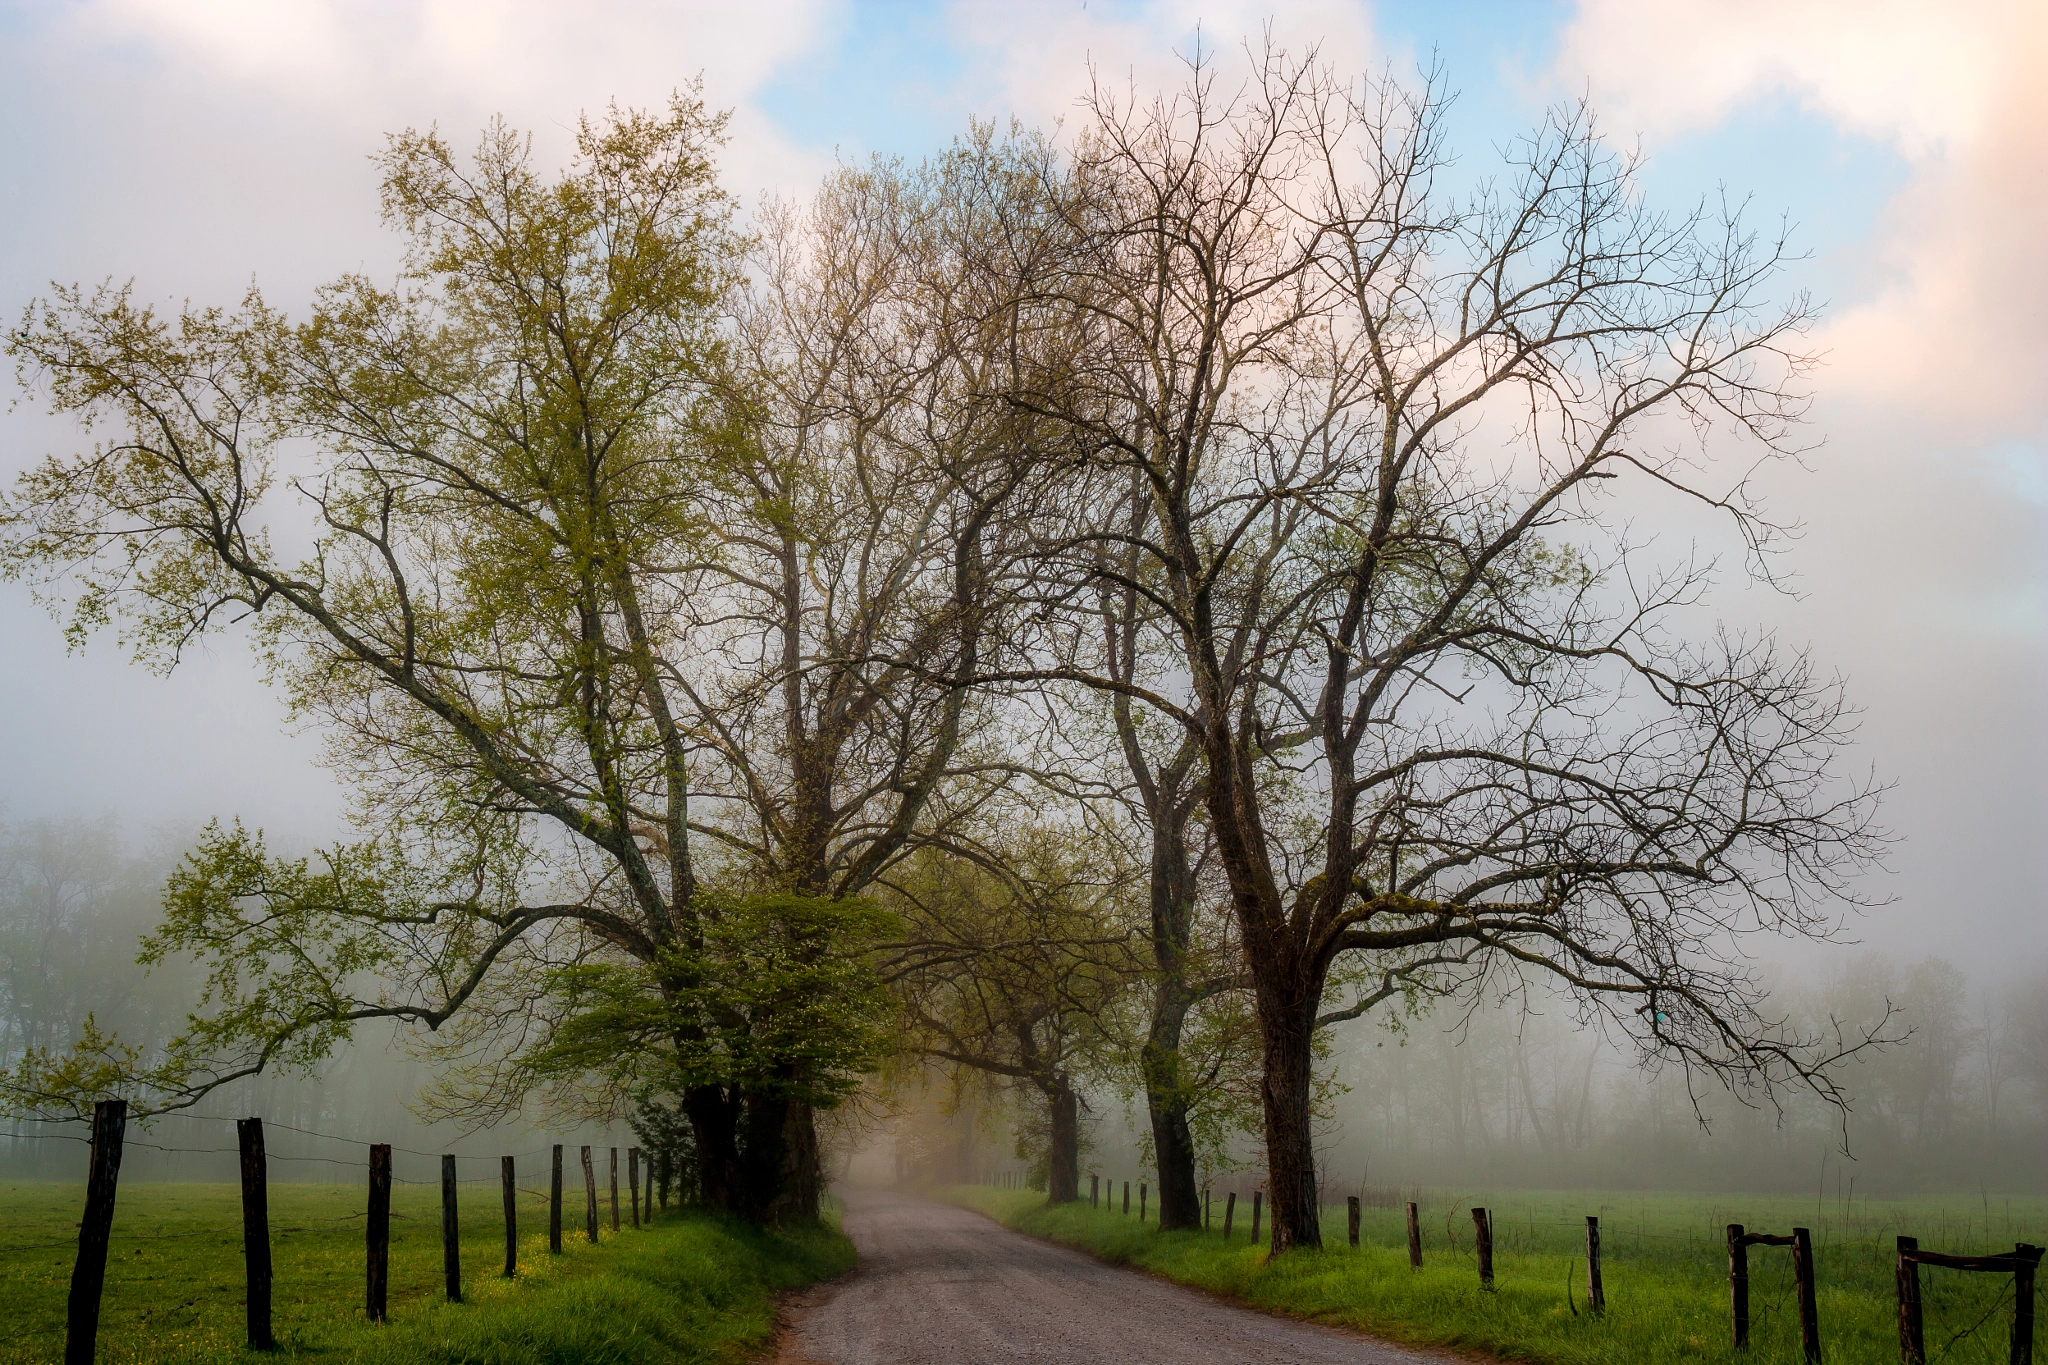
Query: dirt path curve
<point x="938" y="1285"/>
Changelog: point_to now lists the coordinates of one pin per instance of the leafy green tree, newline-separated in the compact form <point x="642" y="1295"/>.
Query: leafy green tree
<point x="500" y="454"/>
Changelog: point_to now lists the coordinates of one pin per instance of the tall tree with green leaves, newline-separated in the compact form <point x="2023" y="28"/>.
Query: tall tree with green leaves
<point x="500" y="455"/>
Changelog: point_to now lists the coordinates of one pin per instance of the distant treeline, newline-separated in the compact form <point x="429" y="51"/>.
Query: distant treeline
<point x="1510" y="1096"/>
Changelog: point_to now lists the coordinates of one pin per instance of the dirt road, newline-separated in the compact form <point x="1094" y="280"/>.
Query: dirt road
<point x="941" y="1286"/>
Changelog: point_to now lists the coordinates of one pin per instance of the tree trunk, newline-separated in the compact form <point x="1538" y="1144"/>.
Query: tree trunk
<point x="714" y="1125"/>
<point x="1063" y="1149"/>
<point x="802" y="1181"/>
<point x="1166" y="1088"/>
<point x="1166" y="1098"/>
<point x="762" y="1156"/>
<point x="1290" y="1143"/>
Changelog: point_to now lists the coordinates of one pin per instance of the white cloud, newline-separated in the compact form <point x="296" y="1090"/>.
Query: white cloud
<point x="539" y="62"/>
<point x="1947" y="330"/>
<point x="1039" y="69"/>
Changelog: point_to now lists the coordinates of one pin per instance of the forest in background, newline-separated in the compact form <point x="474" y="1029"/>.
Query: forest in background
<point x="1516" y="1093"/>
<point x="76" y="897"/>
<point x="1512" y="1092"/>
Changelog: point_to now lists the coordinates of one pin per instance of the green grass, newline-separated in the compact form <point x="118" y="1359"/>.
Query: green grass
<point x="691" y="1287"/>
<point x="1665" y="1269"/>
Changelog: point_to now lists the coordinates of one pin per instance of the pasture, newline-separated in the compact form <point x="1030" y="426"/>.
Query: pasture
<point x="1665" y="1270"/>
<point x="689" y="1287"/>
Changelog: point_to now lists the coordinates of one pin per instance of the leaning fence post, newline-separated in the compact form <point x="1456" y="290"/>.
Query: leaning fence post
<point x="89" y="1274"/>
<point x="633" y="1181"/>
<point x="1802" y="1275"/>
<point x="589" y="1197"/>
<point x="1596" y="1289"/>
<point x="1414" y="1239"/>
<point x="507" y="1175"/>
<point x="1738" y="1282"/>
<point x="1352" y="1210"/>
<point x="1229" y="1212"/>
<point x="1482" y="1232"/>
<point x="451" y="1231"/>
<point x="256" y="1231"/>
<point x="2026" y="1258"/>
<point x="1258" y="1201"/>
<point x="555" y="1204"/>
<point x="377" y="1233"/>
<point x="615" y="1189"/>
<point x="1912" y="1325"/>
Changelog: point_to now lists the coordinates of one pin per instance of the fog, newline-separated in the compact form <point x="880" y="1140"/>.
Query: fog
<point x="195" y="152"/>
<point x="76" y="898"/>
<point x="1516" y="1094"/>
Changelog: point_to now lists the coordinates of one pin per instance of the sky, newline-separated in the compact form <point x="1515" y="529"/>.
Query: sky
<point x="197" y="145"/>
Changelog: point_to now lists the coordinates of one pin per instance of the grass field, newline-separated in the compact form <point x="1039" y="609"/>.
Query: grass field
<point x="1665" y="1269"/>
<point x="689" y="1288"/>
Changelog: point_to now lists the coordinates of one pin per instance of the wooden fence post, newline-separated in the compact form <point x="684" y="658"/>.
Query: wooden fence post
<point x="1912" y="1325"/>
<point x="555" y="1204"/>
<point x="2028" y="1257"/>
<point x="377" y="1233"/>
<point x="589" y="1197"/>
<point x="89" y="1273"/>
<point x="1738" y="1282"/>
<point x="615" y="1190"/>
<point x="1596" y="1289"/>
<point x="1127" y="1199"/>
<point x="1414" y="1239"/>
<point x="1141" y="1201"/>
<point x="1482" y="1232"/>
<point x="1351" y="1211"/>
<point x="451" y="1231"/>
<point x="1802" y="1274"/>
<point x="508" y="1176"/>
<point x="1258" y="1201"/>
<point x="256" y="1231"/>
<point x="1205" y="1208"/>
<point x="633" y="1181"/>
<point x="1229" y="1212"/>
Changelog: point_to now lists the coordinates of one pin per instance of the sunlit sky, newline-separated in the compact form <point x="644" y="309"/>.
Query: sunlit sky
<point x="197" y="146"/>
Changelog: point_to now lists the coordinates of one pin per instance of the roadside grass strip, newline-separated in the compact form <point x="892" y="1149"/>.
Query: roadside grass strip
<point x="1665" y="1270"/>
<point x="690" y="1287"/>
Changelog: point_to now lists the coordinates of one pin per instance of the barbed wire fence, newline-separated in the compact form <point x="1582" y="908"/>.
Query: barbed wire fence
<point x="110" y="1140"/>
<point x="2021" y="1264"/>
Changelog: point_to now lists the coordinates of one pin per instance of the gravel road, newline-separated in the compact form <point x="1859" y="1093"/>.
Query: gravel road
<point x="941" y="1285"/>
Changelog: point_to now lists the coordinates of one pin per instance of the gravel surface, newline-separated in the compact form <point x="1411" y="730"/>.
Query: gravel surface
<point x="941" y="1285"/>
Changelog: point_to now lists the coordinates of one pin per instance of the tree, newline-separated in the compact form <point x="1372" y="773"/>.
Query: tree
<point x="501" y="457"/>
<point x="1449" y="717"/>
<point x="1013" y="970"/>
<point x="1194" y="960"/>
<point x="858" y="526"/>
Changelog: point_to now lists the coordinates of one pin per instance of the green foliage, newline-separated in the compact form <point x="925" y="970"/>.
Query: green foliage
<point x="296" y="952"/>
<point x="777" y="997"/>
<point x="669" y="1144"/>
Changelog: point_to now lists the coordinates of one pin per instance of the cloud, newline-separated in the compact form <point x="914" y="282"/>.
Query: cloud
<point x="1945" y="329"/>
<point x="1039" y="70"/>
<point x="539" y="62"/>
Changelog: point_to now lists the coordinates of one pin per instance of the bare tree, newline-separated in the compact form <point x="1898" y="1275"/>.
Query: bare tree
<point x="1451" y="719"/>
